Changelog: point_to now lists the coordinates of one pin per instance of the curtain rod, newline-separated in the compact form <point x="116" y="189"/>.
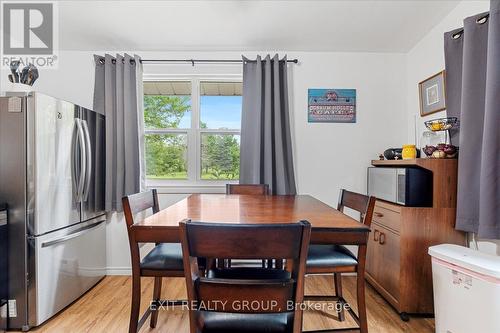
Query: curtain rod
<point x="193" y="61"/>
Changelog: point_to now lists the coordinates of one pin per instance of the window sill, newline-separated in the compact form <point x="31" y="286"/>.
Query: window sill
<point x="187" y="188"/>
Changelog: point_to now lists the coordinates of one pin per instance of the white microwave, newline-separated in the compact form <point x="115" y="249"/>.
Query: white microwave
<point x="405" y="186"/>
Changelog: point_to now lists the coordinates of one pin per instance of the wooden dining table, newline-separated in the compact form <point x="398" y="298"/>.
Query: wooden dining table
<point x="329" y="226"/>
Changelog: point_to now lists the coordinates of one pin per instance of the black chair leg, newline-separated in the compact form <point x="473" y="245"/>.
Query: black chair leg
<point x="337" y="278"/>
<point x="156" y="298"/>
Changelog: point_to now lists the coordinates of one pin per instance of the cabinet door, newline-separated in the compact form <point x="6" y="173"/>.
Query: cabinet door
<point x="373" y="255"/>
<point x="382" y="262"/>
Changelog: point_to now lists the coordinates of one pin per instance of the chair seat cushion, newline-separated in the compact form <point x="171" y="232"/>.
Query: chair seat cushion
<point x="218" y="322"/>
<point x="249" y="273"/>
<point x="164" y="256"/>
<point x="330" y="256"/>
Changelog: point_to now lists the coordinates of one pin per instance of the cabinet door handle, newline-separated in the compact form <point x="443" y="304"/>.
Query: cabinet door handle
<point x="382" y="239"/>
<point x="375" y="235"/>
<point x="378" y="214"/>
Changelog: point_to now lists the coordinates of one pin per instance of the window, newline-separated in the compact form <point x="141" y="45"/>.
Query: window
<point x="192" y="131"/>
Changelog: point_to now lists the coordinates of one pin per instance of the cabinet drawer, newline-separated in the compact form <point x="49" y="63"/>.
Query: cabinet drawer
<point x="387" y="215"/>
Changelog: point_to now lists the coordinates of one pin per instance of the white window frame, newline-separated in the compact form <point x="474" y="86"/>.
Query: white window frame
<point x="193" y="183"/>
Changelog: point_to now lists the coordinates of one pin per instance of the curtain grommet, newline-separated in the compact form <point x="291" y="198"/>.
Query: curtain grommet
<point x="483" y="19"/>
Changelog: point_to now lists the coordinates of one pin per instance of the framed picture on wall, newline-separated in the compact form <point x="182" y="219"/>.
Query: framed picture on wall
<point x="432" y="94"/>
<point x="331" y="106"/>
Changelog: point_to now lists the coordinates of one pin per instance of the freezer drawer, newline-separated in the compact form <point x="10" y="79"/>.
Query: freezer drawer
<point x="68" y="263"/>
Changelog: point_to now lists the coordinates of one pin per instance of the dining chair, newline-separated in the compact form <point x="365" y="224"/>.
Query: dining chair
<point x="245" y="299"/>
<point x="164" y="260"/>
<point x="251" y="189"/>
<point x="246" y="189"/>
<point x="338" y="259"/>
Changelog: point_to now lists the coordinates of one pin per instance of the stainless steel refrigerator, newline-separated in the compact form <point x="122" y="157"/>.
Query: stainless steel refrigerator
<point x="3" y="267"/>
<point x="52" y="179"/>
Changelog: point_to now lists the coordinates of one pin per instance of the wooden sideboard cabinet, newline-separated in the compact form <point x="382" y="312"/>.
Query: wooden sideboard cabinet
<point x="397" y="263"/>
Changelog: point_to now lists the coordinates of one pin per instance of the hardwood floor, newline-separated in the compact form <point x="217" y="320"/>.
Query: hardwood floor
<point x="105" y="308"/>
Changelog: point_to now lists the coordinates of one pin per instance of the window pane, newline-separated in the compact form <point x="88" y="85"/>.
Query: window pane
<point x="220" y="156"/>
<point x="220" y="105"/>
<point x="166" y="156"/>
<point x="167" y="104"/>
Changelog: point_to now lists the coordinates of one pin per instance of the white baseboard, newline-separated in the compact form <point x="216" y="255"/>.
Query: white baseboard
<point x="118" y="271"/>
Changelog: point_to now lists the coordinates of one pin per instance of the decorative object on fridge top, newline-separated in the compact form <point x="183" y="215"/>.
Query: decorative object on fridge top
<point x="28" y="75"/>
<point x="14" y="77"/>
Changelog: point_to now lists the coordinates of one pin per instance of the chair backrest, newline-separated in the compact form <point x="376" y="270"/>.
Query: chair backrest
<point x="289" y="241"/>
<point x="359" y="202"/>
<point x="139" y="202"/>
<point x="132" y="205"/>
<point x="252" y="189"/>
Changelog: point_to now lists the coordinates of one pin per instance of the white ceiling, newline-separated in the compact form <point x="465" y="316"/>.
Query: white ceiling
<point x="181" y="88"/>
<point x="236" y="25"/>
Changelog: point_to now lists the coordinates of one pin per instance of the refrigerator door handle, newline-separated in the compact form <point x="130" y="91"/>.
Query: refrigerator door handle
<point x="80" y="142"/>
<point x="88" y="160"/>
<point x="76" y="233"/>
<point x="74" y="170"/>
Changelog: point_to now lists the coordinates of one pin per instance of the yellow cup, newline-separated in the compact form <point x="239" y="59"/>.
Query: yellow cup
<point x="409" y="152"/>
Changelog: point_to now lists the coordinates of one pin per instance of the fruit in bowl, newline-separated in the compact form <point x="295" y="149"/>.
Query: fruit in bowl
<point x="428" y="150"/>
<point x="450" y="150"/>
<point x="436" y="126"/>
<point x="442" y="150"/>
<point x="439" y="154"/>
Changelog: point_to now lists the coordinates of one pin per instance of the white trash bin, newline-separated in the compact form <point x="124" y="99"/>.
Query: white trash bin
<point x="466" y="290"/>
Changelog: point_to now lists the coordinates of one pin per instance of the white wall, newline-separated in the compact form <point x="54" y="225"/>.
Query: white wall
<point x="327" y="156"/>
<point x="427" y="58"/>
<point x="73" y="80"/>
<point x="331" y="156"/>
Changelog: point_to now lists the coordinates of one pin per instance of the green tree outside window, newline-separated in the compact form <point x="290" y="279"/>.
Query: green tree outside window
<point x="166" y="154"/>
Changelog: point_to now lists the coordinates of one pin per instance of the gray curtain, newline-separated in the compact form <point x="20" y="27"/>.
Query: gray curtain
<point x="118" y="82"/>
<point x="266" y="145"/>
<point x="478" y="105"/>
<point x="453" y="59"/>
